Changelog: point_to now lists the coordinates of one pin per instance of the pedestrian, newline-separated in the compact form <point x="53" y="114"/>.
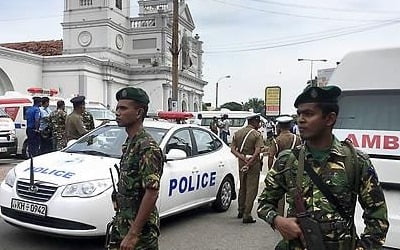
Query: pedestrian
<point x="285" y="140"/>
<point x="136" y="222"/>
<point x="32" y="127"/>
<point x="324" y="176"/>
<point x="74" y="127"/>
<point x="88" y="121"/>
<point x="46" y="141"/>
<point x="214" y="125"/>
<point x="224" y="128"/>
<point x="57" y="121"/>
<point x="246" y="146"/>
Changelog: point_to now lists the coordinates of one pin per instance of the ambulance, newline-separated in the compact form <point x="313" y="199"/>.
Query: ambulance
<point x="369" y="116"/>
<point x="15" y="105"/>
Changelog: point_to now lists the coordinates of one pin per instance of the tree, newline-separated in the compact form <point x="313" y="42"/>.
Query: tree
<point x="233" y="106"/>
<point x="256" y="104"/>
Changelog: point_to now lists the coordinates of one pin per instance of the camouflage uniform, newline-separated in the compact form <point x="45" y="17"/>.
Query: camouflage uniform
<point x="87" y="119"/>
<point x="141" y="167"/>
<point x="332" y="171"/>
<point x="57" y="123"/>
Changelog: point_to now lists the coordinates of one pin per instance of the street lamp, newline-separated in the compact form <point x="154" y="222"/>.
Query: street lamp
<point x="311" y="62"/>
<point x="216" y="89"/>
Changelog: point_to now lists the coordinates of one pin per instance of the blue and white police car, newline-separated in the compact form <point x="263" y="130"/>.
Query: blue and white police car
<point x="69" y="191"/>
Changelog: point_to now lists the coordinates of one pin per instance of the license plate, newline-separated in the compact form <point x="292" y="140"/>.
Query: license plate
<point x="29" y="207"/>
<point x="3" y="150"/>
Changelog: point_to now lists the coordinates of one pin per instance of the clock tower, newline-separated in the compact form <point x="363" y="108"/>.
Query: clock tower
<point x="96" y="27"/>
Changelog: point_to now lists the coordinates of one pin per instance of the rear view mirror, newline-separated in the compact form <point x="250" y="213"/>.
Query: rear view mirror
<point x="175" y="154"/>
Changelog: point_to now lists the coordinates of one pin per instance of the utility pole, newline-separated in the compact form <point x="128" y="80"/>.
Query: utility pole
<point x="175" y="54"/>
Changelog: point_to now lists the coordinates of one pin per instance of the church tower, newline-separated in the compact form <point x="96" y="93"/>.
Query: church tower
<point x="96" y="27"/>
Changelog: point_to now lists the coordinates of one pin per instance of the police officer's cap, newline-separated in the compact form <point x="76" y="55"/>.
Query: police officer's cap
<point x="255" y="117"/>
<point x="78" y="100"/>
<point x="284" y="119"/>
<point x="327" y="94"/>
<point x="131" y="93"/>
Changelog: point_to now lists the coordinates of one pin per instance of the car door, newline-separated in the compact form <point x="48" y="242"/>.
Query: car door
<point x="178" y="182"/>
<point x="211" y="169"/>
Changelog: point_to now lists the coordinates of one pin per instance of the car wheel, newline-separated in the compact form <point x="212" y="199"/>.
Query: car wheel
<point x="25" y="150"/>
<point x="224" y="196"/>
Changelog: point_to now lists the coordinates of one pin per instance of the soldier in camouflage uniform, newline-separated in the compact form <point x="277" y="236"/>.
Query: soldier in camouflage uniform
<point x="347" y="174"/>
<point x="88" y="121"/>
<point x="136" y="223"/>
<point x="57" y="123"/>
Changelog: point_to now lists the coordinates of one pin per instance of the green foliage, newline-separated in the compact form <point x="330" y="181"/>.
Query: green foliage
<point x="256" y="104"/>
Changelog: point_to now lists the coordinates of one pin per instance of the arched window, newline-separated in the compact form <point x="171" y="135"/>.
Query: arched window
<point x="195" y="107"/>
<point x="184" y="106"/>
<point x="169" y="104"/>
<point x="118" y="4"/>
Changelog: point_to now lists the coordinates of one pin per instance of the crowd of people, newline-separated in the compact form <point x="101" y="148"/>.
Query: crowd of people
<point x="319" y="177"/>
<point x="48" y="130"/>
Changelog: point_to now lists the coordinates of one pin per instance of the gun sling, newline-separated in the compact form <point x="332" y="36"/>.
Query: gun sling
<point x="325" y="191"/>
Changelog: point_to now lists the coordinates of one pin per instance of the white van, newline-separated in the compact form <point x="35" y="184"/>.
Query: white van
<point x="369" y="116"/>
<point x="15" y="105"/>
<point x="8" y="138"/>
<point x="237" y="119"/>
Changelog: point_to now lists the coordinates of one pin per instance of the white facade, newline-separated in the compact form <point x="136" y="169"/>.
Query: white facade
<point x="104" y="49"/>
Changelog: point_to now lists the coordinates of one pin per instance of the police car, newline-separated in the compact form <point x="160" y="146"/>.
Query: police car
<point x="69" y="191"/>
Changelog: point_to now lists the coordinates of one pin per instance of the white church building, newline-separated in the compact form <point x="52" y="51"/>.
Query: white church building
<point x="105" y="49"/>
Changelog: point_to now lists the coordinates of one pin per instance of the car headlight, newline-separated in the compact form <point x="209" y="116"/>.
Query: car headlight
<point x="87" y="189"/>
<point x="10" y="178"/>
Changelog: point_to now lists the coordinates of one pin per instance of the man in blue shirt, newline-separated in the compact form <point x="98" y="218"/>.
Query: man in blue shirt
<point x="32" y="128"/>
<point x="46" y="144"/>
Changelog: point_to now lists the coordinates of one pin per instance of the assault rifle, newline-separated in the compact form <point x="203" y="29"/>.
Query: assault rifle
<point x="313" y="239"/>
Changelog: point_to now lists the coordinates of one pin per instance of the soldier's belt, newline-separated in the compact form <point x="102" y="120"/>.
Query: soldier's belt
<point x="327" y="227"/>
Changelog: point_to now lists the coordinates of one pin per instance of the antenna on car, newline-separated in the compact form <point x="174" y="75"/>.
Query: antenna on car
<point x="31" y="175"/>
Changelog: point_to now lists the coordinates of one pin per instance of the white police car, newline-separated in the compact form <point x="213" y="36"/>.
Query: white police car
<point x="70" y="193"/>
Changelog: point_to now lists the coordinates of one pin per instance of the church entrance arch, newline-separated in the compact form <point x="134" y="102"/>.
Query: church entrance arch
<point x="5" y="83"/>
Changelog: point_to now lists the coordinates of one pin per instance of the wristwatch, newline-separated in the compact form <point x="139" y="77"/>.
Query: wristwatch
<point x="271" y="217"/>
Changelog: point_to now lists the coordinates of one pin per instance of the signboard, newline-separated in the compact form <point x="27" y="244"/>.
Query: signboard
<point x="273" y="101"/>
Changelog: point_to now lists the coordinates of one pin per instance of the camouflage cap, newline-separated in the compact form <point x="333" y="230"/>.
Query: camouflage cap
<point x="327" y="94"/>
<point x="131" y="93"/>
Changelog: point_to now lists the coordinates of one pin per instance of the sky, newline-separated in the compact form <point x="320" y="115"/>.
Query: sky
<point x="256" y="42"/>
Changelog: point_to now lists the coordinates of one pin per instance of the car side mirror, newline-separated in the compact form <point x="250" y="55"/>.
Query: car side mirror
<point x="175" y="154"/>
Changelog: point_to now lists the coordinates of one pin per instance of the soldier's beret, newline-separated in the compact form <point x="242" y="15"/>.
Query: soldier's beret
<point x="131" y="93"/>
<point x="78" y="99"/>
<point x="254" y="117"/>
<point x="284" y="119"/>
<point x="327" y="94"/>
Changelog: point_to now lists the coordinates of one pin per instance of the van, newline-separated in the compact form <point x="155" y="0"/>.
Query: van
<point x="369" y="116"/>
<point x="8" y="138"/>
<point x="15" y="105"/>
<point x="237" y="120"/>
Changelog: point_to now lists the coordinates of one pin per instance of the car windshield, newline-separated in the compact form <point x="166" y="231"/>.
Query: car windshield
<point x="108" y="140"/>
<point x="3" y="113"/>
